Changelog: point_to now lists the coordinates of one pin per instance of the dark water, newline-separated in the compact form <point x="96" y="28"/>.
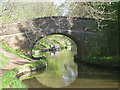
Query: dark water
<point x="63" y="72"/>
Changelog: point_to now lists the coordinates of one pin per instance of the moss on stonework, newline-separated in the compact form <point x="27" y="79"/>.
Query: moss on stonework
<point x="10" y="80"/>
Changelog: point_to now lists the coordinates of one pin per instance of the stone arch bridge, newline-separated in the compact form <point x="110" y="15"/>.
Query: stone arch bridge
<point x="23" y="34"/>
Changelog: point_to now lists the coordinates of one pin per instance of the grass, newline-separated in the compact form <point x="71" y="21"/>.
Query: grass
<point x="108" y="61"/>
<point x="101" y="61"/>
<point x="9" y="79"/>
<point x="10" y="50"/>
<point x="3" y="60"/>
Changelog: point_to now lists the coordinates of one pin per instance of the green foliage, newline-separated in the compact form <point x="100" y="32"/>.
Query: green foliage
<point x="94" y="51"/>
<point x="58" y="66"/>
<point x="40" y="46"/>
<point x="56" y="42"/>
<point x="46" y="45"/>
<point x="9" y="79"/>
<point x="3" y="60"/>
<point x="97" y="10"/>
<point x="40" y="64"/>
<point x="24" y="10"/>
<point x="110" y="38"/>
<point x="10" y="50"/>
<point x="52" y="39"/>
<point x="106" y="15"/>
<point x="104" y="61"/>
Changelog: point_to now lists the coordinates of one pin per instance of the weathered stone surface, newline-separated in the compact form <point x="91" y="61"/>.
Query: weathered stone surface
<point x="22" y="35"/>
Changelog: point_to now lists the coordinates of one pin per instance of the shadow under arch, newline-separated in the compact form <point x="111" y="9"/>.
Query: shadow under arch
<point x="80" y="49"/>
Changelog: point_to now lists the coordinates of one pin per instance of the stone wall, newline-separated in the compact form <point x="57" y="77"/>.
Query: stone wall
<point x="23" y="34"/>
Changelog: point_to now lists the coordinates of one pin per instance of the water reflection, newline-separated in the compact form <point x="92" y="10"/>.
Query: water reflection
<point x="54" y="53"/>
<point x="63" y="72"/>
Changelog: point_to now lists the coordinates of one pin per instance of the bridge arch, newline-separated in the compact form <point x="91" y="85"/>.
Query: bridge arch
<point x="80" y="49"/>
<point x="23" y="34"/>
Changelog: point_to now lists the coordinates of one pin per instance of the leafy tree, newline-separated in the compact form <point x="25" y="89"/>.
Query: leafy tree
<point x="106" y="15"/>
<point x="97" y="10"/>
<point x="24" y="10"/>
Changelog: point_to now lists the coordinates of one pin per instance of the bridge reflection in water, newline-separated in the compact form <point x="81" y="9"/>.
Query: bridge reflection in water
<point x="63" y="72"/>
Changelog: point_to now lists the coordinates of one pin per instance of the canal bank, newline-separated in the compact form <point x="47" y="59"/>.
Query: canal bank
<point x="14" y="61"/>
<point x="100" y="62"/>
<point x="63" y="72"/>
<point x="10" y="79"/>
<point x="16" y="67"/>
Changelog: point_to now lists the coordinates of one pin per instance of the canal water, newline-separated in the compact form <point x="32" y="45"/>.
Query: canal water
<point x="63" y="72"/>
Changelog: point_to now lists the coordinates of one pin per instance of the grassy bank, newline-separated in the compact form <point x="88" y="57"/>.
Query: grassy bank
<point x="110" y="62"/>
<point x="10" y="50"/>
<point x="3" y="60"/>
<point x="102" y="61"/>
<point x="10" y="80"/>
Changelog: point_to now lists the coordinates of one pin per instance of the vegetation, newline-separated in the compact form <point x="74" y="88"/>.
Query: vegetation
<point x="111" y="62"/>
<point x="12" y="11"/>
<point x="59" y="66"/>
<point x="10" y="50"/>
<point x="3" y="60"/>
<point x="52" y="39"/>
<point x="105" y="14"/>
<point x="97" y="10"/>
<point x="10" y="80"/>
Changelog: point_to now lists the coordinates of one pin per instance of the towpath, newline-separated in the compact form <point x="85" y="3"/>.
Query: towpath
<point x="14" y="61"/>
